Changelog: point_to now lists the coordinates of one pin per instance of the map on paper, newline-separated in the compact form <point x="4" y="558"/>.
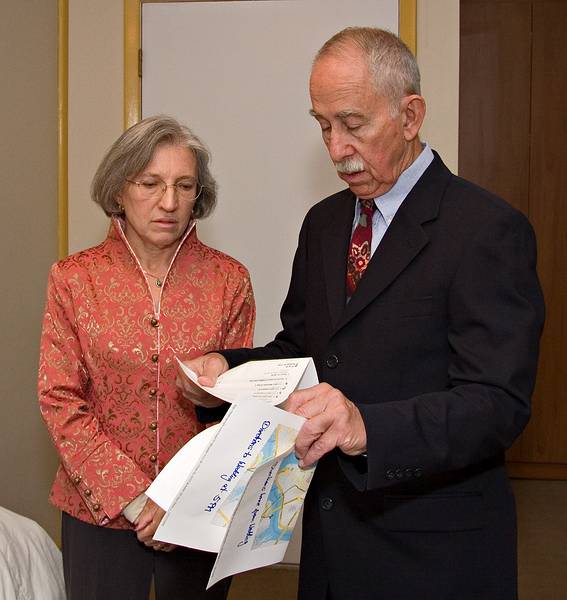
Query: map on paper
<point x="284" y="503"/>
<point x="278" y="443"/>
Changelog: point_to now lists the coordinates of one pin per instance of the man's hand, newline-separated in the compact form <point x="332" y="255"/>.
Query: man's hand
<point x="146" y="525"/>
<point x="208" y="367"/>
<point x="333" y="421"/>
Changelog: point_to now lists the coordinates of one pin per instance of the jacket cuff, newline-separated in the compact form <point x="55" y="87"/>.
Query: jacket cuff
<point x="133" y="510"/>
<point x="210" y="415"/>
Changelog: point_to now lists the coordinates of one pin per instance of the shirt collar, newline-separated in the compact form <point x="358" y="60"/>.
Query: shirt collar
<point x="389" y="202"/>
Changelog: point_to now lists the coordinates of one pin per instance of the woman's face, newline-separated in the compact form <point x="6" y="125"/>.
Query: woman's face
<point x="157" y="223"/>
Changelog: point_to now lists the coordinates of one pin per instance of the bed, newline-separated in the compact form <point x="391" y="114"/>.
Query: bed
<point x="31" y="567"/>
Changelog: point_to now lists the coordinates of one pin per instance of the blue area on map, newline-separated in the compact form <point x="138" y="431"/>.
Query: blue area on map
<point x="270" y="530"/>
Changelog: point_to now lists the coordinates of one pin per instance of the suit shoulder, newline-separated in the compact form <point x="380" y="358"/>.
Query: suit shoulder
<point x="330" y="203"/>
<point x="466" y="197"/>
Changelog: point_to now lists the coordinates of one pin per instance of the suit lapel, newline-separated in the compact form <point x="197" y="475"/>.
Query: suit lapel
<point x="335" y="239"/>
<point x="402" y="242"/>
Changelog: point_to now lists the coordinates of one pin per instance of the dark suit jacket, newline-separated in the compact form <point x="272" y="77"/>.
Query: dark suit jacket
<point x="438" y="348"/>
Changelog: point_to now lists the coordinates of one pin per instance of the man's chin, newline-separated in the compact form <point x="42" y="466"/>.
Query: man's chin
<point x="362" y="188"/>
<point x="358" y="185"/>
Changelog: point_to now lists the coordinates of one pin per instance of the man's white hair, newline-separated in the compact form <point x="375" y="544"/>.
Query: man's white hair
<point x="393" y="67"/>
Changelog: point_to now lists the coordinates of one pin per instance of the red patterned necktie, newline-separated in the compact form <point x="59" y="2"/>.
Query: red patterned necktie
<point x="360" y="244"/>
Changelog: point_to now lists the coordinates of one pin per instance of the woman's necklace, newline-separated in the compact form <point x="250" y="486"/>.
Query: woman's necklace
<point x="158" y="280"/>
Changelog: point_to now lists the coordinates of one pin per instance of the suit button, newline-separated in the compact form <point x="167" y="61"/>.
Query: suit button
<point x="332" y="361"/>
<point x="327" y="503"/>
<point x="87" y="493"/>
<point x="153" y="458"/>
<point x="153" y="425"/>
<point x="418" y="472"/>
<point x="390" y="474"/>
<point x="153" y="392"/>
<point x="96" y="507"/>
<point x="155" y="358"/>
<point x="154" y="322"/>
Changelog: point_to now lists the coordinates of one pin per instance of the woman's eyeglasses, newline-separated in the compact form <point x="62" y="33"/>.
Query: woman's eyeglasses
<point x="154" y="189"/>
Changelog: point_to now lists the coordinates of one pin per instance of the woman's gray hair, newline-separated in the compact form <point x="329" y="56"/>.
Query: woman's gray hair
<point x="390" y="61"/>
<point x="134" y="150"/>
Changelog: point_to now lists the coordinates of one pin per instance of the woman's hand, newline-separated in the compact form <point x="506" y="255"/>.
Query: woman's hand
<point x="146" y="525"/>
<point x="208" y="367"/>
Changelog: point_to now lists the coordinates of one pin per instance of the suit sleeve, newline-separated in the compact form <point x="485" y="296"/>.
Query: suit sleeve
<point x="106" y="478"/>
<point x="495" y="313"/>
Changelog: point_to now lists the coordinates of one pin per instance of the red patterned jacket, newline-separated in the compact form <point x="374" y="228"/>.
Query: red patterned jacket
<point x="107" y="373"/>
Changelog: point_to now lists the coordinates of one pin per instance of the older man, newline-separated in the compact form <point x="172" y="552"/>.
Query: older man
<point x="417" y="295"/>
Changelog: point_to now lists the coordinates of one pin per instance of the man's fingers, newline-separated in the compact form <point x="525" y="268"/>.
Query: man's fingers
<point x="212" y="366"/>
<point x="333" y="421"/>
<point x="207" y="380"/>
<point x="207" y="367"/>
<point x="314" y="439"/>
<point x="310" y="401"/>
<point x="198" y="396"/>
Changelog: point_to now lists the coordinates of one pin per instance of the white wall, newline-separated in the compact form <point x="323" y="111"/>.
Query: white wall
<point x="96" y="95"/>
<point x="249" y="100"/>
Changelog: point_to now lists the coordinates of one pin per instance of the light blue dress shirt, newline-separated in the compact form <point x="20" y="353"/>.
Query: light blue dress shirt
<point x="388" y="204"/>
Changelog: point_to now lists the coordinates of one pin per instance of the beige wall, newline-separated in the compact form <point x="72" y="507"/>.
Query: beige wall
<point x="28" y="245"/>
<point x="438" y="58"/>
<point x="28" y="108"/>
<point x="541" y="505"/>
<point x="95" y="108"/>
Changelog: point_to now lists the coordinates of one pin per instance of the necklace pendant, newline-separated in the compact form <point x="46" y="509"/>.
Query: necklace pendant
<point x="159" y="282"/>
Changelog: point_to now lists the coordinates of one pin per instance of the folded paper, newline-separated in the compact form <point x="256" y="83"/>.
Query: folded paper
<point x="236" y="488"/>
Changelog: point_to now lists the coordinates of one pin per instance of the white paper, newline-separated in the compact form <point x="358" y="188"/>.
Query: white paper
<point x="164" y="488"/>
<point x="262" y="524"/>
<point x="269" y="380"/>
<point x="250" y="433"/>
<point x="236" y="488"/>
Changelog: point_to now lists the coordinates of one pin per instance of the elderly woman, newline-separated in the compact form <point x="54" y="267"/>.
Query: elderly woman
<point x="116" y="317"/>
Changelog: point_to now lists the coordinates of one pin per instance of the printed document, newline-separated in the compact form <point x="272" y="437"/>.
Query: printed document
<point x="236" y="488"/>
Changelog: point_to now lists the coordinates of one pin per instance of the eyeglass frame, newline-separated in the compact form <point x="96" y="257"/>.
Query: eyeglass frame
<point x="164" y="187"/>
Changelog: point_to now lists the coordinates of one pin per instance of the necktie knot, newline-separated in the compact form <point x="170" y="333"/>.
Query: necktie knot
<point x="367" y="208"/>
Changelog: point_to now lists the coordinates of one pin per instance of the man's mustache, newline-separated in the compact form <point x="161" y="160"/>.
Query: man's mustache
<point x="349" y="165"/>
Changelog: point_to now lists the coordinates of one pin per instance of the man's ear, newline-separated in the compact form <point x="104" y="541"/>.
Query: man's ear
<point x="413" y="113"/>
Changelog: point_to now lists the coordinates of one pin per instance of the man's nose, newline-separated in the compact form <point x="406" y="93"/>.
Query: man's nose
<point x="338" y="147"/>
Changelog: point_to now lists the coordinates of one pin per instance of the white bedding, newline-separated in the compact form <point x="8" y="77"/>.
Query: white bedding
<point x="31" y="567"/>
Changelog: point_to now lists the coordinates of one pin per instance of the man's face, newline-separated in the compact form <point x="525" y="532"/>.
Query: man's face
<point x="365" y="142"/>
